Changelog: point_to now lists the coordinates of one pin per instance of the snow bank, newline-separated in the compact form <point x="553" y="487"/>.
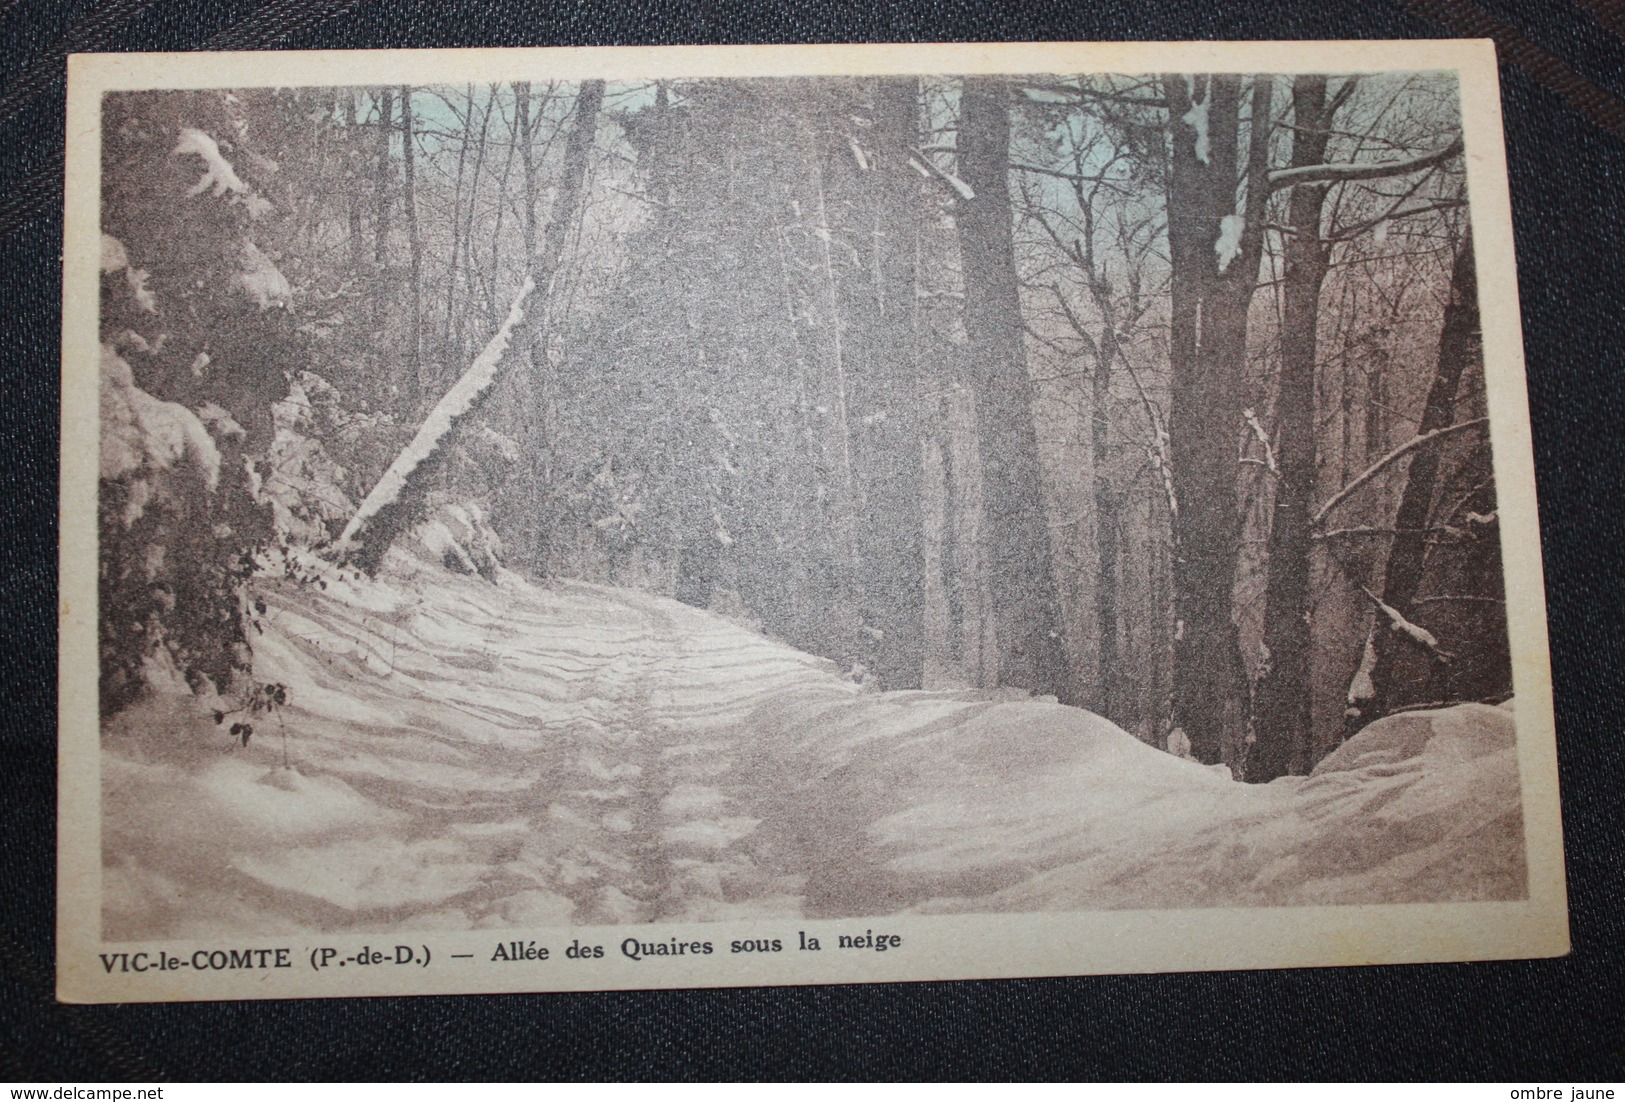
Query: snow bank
<point x="473" y="754"/>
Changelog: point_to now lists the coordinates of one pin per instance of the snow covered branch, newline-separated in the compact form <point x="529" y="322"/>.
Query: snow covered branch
<point x="1414" y="444"/>
<point x="1363" y="530"/>
<point x="1159" y="451"/>
<point x="925" y="166"/>
<point x="1078" y="92"/>
<point x="1257" y="427"/>
<point x="219" y="177"/>
<point x="1374" y="170"/>
<point x="1362" y="688"/>
<point x="1419" y="635"/>
<point x="452" y="408"/>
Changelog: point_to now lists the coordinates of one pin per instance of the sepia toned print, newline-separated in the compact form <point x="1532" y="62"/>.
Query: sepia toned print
<point x="674" y="517"/>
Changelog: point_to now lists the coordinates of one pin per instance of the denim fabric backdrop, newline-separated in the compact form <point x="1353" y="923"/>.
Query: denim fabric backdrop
<point x="1563" y="74"/>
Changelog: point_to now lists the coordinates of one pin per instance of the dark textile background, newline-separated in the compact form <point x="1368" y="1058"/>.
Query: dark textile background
<point x="1563" y="70"/>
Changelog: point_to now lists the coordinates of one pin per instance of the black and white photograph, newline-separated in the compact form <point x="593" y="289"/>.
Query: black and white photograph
<point x="710" y="520"/>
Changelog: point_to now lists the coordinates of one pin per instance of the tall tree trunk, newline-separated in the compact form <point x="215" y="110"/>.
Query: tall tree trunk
<point x="965" y="568"/>
<point x="1107" y="700"/>
<point x="457" y="219"/>
<point x="1407" y="555"/>
<point x="409" y="202"/>
<point x="1021" y="573"/>
<point x="572" y="176"/>
<point x="885" y="385"/>
<point x="1107" y="697"/>
<point x="544" y="266"/>
<point x="1208" y="353"/>
<point x="358" y="252"/>
<point x="527" y="155"/>
<point x="1283" y="714"/>
<point x="534" y="379"/>
<point x="845" y="489"/>
<point x="382" y="289"/>
<point x="469" y="257"/>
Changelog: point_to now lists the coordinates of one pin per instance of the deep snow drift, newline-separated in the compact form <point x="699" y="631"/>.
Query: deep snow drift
<point x="468" y="754"/>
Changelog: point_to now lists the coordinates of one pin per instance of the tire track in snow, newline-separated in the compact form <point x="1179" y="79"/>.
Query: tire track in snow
<point x="622" y="785"/>
<point x="665" y="827"/>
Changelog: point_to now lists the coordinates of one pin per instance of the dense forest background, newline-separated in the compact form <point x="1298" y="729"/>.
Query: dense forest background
<point x="1162" y="395"/>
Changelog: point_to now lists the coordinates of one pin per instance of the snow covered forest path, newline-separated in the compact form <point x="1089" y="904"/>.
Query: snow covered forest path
<point x="475" y="755"/>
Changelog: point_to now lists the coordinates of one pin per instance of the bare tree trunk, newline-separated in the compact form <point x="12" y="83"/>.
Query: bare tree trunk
<point x="1021" y="573"/>
<point x="523" y="136"/>
<point x="1407" y="555"/>
<point x="353" y="200"/>
<point x="1208" y="353"/>
<point x="381" y="202"/>
<point x="846" y="490"/>
<point x="457" y="243"/>
<point x="469" y="258"/>
<point x="403" y="377"/>
<point x="1106" y="522"/>
<point x="1107" y="696"/>
<point x="572" y="177"/>
<point x="884" y="389"/>
<point x="544" y="268"/>
<point x="409" y="200"/>
<point x="1283" y="715"/>
<point x="969" y="603"/>
<point x="937" y="621"/>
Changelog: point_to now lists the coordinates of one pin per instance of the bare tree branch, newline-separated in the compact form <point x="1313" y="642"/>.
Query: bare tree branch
<point x="1341" y="96"/>
<point x="1363" y="530"/>
<point x="1079" y="92"/>
<point x="1157" y="450"/>
<point x="1393" y="214"/>
<point x="1414" y="444"/>
<point x="1374" y="170"/>
<point x="1021" y="166"/>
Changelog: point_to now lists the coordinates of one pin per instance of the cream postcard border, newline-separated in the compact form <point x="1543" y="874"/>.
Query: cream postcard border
<point x="956" y="947"/>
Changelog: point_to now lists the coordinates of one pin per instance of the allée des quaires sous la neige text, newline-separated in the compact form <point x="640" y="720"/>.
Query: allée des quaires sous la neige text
<point x="638" y="949"/>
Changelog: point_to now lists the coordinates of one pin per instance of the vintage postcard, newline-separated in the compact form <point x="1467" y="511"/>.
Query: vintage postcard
<point x="550" y="520"/>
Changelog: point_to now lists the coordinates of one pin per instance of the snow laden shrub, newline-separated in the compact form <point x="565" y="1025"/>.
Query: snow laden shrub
<point x="299" y="479"/>
<point x="197" y="349"/>
<point x="606" y="502"/>
<point x="171" y="568"/>
<point x="457" y="529"/>
<point x="186" y="198"/>
<point x="458" y="536"/>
